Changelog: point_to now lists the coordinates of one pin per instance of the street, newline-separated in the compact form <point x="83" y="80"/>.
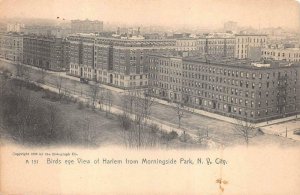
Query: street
<point x="164" y="116"/>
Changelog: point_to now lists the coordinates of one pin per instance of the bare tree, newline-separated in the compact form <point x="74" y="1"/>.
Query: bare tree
<point x="23" y="73"/>
<point x="108" y="101"/>
<point x="94" y="93"/>
<point x="88" y="136"/>
<point x="59" y="85"/>
<point x="20" y="70"/>
<point x="42" y="74"/>
<point x="128" y="100"/>
<point x="53" y="120"/>
<point x="74" y="87"/>
<point x="147" y="103"/>
<point x="143" y="102"/>
<point x="179" y="109"/>
<point x="125" y="121"/>
<point x="138" y="103"/>
<point x="246" y="130"/>
<point x="202" y="136"/>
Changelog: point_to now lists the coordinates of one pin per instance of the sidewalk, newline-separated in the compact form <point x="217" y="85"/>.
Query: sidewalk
<point x="284" y="129"/>
<point x="163" y="102"/>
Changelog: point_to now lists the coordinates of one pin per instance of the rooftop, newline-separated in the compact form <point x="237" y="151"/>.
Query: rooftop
<point x="245" y="63"/>
<point x="225" y="61"/>
<point x="250" y="34"/>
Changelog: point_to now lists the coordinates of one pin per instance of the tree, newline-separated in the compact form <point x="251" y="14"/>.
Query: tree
<point x="128" y="100"/>
<point x="201" y="136"/>
<point x="125" y="121"/>
<point x="143" y="102"/>
<point x="59" y="85"/>
<point x="246" y="130"/>
<point x="108" y="101"/>
<point x="42" y="74"/>
<point x="179" y="109"/>
<point x="24" y="73"/>
<point x="138" y="103"/>
<point x="94" y="92"/>
<point x="74" y="87"/>
<point x="53" y="120"/>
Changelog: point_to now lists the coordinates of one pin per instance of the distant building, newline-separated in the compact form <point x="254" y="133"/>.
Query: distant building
<point x="249" y="45"/>
<point x="231" y="26"/>
<point x="46" y="52"/>
<point x="287" y="54"/>
<point x="3" y="27"/>
<point x="86" y="26"/>
<point x="16" y="27"/>
<point x="186" y="44"/>
<point x="152" y="36"/>
<point x="217" y="46"/>
<point x="60" y="32"/>
<point x="38" y="30"/>
<point x="117" y="62"/>
<point x="11" y="46"/>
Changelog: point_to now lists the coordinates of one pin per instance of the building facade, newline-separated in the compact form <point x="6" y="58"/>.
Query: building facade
<point x="86" y="26"/>
<point x="231" y="26"/>
<point x="186" y="44"/>
<point x="11" y="46"/>
<point x="16" y="27"/>
<point x="217" y="46"/>
<point x="207" y="45"/>
<point x="287" y="54"/>
<point x="248" y="46"/>
<point x="46" y="52"/>
<point x="239" y="89"/>
<point x="117" y="62"/>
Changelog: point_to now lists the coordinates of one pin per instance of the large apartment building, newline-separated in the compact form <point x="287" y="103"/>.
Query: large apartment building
<point x="235" y="88"/>
<point x="117" y="62"/>
<point x="46" y="51"/>
<point x="249" y="45"/>
<point x="11" y="46"/>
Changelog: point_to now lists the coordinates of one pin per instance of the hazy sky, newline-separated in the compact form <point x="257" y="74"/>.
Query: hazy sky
<point x="202" y="13"/>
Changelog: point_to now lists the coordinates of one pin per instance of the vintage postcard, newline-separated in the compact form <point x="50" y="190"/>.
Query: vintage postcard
<point x="150" y="97"/>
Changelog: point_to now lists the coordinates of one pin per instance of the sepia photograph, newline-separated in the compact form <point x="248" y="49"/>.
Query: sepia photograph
<point x="149" y="97"/>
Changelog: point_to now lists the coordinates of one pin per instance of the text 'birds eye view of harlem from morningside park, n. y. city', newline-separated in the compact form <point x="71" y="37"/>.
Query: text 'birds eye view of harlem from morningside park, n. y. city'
<point x="204" y="74"/>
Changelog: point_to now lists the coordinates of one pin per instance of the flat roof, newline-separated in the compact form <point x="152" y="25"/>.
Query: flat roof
<point x="250" y="34"/>
<point x="242" y="63"/>
<point x="231" y="62"/>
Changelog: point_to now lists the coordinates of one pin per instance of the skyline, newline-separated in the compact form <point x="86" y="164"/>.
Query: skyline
<point x="191" y="14"/>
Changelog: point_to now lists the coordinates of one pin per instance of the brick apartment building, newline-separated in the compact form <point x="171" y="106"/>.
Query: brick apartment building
<point x="46" y="51"/>
<point x="117" y="62"/>
<point x="235" y="88"/>
<point x="11" y="46"/>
